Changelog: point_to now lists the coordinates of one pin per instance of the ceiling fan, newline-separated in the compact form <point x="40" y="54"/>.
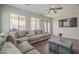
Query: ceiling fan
<point x="53" y="9"/>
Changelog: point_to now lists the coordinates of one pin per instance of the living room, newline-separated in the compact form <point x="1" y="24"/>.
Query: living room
<point x="43" y="22"/>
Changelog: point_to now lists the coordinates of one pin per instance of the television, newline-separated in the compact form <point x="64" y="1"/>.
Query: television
<point x="69" y="22"/>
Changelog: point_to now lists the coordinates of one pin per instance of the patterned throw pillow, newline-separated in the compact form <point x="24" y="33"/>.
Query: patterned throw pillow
<point x="14" y="34"/>
<point x="22" y="34"/>
<point x="38" y="32"/>
<point x="11" y="39"/>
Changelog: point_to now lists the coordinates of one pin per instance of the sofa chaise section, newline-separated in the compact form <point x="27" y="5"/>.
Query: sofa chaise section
<point x="9" y="48"/>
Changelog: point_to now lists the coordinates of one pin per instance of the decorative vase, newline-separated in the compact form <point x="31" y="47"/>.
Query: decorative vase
<point x="60" y="35"/>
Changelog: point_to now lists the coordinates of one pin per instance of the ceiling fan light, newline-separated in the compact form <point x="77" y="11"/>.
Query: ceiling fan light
<point x="51" y="12"/>
<point x="52" y="6"/>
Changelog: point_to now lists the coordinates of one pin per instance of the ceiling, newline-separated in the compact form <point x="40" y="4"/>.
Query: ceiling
<point x="42" y="9"/>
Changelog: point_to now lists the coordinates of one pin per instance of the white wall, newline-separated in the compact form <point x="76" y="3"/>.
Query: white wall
<point x="5" y="12"/>
<point x="68" y="32"/>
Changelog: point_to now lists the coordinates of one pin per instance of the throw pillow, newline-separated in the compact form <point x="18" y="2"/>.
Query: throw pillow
<point x="11" y="39"/>
<point x="24" y="47"/>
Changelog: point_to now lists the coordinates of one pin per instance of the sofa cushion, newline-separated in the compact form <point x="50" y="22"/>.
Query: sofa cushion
<point x="22" y="33"/>
<point x="34" y="37"/>
<point x="14" y="34"/>
<point x="24" y="47"/>
<point x="34" y="51"/>
<point x="43" y="31"/>
<point x="39" y="32"/>
<point x="32" y="33"/>
<point x="35" y="31"/>
<point x="9" y="48"/>
<point x="2" y="40"/>
<point x="22" y="39"/>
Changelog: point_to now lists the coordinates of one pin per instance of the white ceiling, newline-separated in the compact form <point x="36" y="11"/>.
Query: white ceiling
<point x="42" y="9"/>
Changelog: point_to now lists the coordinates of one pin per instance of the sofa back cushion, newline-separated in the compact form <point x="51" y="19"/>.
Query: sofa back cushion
<point x="2" y="40"/>
<point x="22" y="33"/>
<point x="9" y="48"/>
<point x="14" y="34"/>
<point x="43" y="31"/>
<point x="38" y="32"/>
<point x="32" y="33"/>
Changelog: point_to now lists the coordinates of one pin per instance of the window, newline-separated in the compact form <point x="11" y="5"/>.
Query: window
<point x="49" y="29"/>
<point x="45" y="26"/>
<point x="22" y="23"/>
<point x="34" y="23"/>
<point x="17" y="22"/>
<point x="13" y="22"/>
<point x="37" y="23"/>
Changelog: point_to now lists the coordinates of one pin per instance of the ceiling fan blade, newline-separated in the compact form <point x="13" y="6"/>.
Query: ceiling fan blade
<point x="58" y="8"/>
<point x="49" y="11"/>
<point x="54" y="11"/>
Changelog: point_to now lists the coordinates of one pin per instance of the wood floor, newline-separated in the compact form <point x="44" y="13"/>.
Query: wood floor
<point x="43" y="47"/>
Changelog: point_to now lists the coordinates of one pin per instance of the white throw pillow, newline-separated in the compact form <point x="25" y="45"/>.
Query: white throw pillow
<point x="24" y="47"/>
<point x="32" y="33"/>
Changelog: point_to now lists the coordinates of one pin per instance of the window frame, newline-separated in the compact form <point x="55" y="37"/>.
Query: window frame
<point x="35" y="23"/>
<point x="18" y="21"/>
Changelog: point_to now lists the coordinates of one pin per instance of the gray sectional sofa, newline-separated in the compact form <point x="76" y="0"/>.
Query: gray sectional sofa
<point x="19" y="42"/>
<point x="38" y="35"/>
